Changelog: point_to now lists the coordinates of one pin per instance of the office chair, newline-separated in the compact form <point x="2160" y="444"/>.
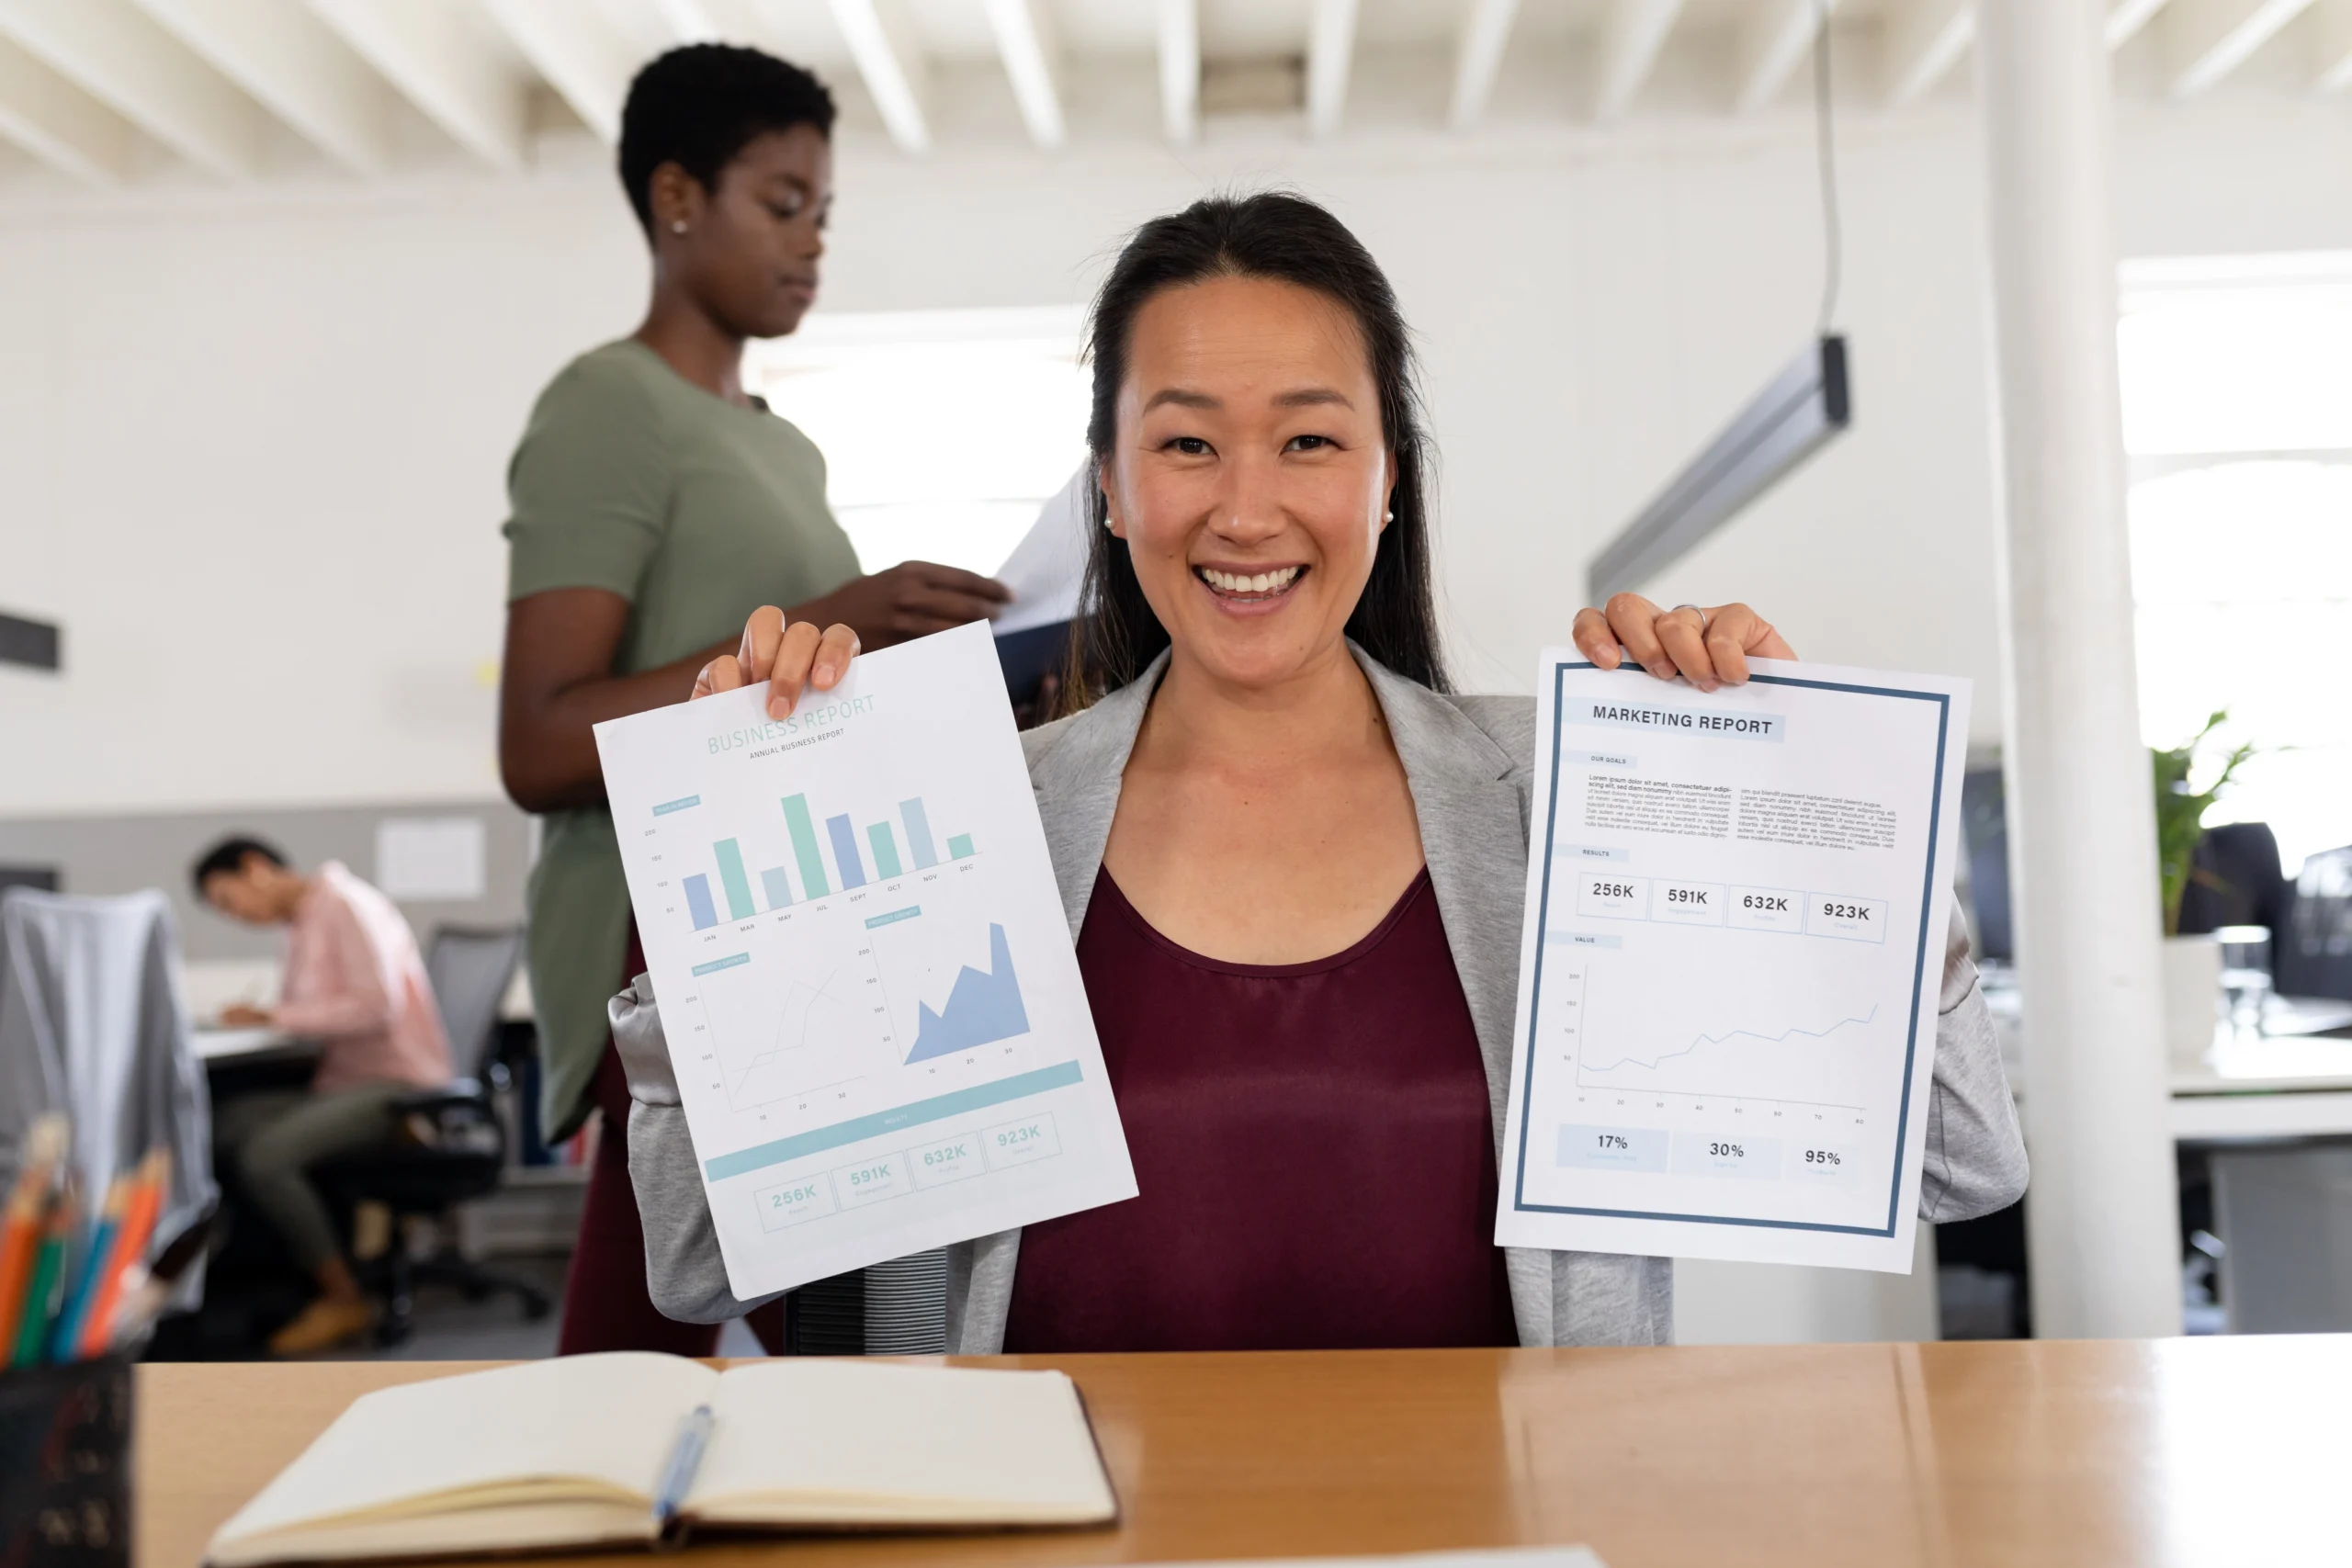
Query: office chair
<point x="2235" y="881"/>
<point x="458" y="1150"/>
<point x="2313" y="956"/>
<point x="93" y="1023"/>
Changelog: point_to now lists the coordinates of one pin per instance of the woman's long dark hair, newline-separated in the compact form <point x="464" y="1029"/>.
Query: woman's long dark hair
<point x="1291" y="240"/>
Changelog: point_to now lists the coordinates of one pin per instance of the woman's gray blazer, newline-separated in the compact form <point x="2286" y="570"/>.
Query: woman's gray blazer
<point x="1469" y="761"/>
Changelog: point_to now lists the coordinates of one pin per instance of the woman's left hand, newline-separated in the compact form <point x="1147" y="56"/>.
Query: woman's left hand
<point x="1709" y="646"/>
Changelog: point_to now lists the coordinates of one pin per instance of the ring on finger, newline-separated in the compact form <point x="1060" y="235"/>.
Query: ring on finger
<point x="1694" y="609"/>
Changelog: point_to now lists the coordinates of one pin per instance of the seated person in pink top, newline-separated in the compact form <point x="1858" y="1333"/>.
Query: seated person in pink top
<point x="355" y="983"/>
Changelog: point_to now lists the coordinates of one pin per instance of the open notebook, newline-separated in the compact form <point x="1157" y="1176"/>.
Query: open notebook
<point x="569" y="1453"/>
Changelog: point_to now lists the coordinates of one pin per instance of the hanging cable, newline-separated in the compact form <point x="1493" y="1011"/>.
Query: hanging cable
<point x="1832" y="238"/>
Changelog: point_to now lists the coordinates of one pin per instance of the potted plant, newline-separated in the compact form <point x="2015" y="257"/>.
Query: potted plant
<point x="2192" y="964"/>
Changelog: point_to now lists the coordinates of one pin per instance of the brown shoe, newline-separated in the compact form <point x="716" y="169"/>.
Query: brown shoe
<point x="323" y="1324"/>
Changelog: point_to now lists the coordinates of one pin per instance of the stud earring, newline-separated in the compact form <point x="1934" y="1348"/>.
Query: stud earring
<point x="678" y="226"/>
<point x="1391" y="515"/>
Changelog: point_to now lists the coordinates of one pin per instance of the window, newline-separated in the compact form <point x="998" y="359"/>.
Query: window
<point x="2237" y="420"/>
<point x="943" y="430"/>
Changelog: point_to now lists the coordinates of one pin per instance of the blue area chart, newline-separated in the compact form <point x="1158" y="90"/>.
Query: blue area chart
<point x="981" y="1007"/>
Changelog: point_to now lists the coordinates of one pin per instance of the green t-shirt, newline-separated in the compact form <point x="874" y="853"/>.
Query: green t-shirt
<point x="697" y="511"/>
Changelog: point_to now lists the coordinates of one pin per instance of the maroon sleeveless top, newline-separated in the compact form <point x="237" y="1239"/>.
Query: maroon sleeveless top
<point x="1312" y="1144"/>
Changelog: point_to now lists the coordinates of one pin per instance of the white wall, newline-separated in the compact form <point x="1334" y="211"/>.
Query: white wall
<point x="251" y="445"/>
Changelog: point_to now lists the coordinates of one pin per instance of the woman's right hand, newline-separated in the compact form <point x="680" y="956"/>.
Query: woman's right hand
<point x="790" y="657"/>
<point x="911" y="599"/>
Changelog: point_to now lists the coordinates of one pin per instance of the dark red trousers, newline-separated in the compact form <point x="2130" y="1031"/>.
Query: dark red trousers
<point x="605" y="1305"/>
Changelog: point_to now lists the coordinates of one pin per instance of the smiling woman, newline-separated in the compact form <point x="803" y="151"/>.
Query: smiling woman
<point x="1292" y="863"/>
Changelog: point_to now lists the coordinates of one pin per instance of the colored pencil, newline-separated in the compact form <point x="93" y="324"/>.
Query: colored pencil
<point x="96" y="1331"/>
<point x="65" y="1334"/>
<point x="40" y="1295"/>
<point x="20" y="1230"/>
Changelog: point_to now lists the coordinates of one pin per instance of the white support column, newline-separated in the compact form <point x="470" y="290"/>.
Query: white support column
<point x="2103" y="1208"/>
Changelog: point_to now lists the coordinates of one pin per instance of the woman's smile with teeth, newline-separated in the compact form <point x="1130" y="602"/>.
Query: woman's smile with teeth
<point x="1263" y="582"/>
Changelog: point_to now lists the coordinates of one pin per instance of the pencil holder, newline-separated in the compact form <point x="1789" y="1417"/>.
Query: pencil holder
<point x="65" y="1465"/>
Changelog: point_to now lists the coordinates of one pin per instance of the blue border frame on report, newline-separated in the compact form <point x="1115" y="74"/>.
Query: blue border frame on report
<point x="1918" y="973"/>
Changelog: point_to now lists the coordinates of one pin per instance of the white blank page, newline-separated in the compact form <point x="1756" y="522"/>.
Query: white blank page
<point x="611" y="1419"/>
<point x="1013" y="1445"/>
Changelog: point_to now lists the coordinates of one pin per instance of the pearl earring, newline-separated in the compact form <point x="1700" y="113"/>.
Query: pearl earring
<point x="1391" y="515"/>
<point x="678" y="226"/>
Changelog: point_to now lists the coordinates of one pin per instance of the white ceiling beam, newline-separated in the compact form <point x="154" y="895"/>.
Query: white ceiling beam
<point x="1331" y="56"/>
<point x="577" y="51"/>
<point x="689" y="21"/>
<point x="1485" y="29"/>
<point x="1179" y="69"/>
<point x="437" y="63"/>
<point x="897" y="74"/>
<point x="1924" y="38"/>
<point x="1771" y="46"/>
<point x="1632" y="35"/>
<point x="121" y="58"/>
<point x="2205" y="40"/>
<point x="62" y="126"/>
<point x="1025" y="40"/>
<point x="2126" y="18"/>
<point x="2332" y="45"/>
<point x="297" y="67"/>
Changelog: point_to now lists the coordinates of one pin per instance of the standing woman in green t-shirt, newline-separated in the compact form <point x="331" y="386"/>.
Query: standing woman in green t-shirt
<point x="656" y="504"/>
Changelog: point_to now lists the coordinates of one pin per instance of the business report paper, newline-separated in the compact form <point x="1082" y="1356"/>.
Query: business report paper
<point x="864" y="969"/>
<point x="1729" y="972"/>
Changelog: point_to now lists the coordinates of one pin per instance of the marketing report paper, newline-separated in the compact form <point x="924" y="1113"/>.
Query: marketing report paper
<point x="1736" y="908"/>
<point x="864" y="969"/>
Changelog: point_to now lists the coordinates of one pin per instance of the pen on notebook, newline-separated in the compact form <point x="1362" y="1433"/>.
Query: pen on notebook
<point x="678" y="1476"/>
<point x="20" y="1229"/>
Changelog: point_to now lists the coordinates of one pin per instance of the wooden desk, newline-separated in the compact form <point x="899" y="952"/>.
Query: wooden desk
<point x="2178" y="1451"/>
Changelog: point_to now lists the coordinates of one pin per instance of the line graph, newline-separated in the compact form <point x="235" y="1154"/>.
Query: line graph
<point x="805" y="1010"/>
<point x="813" y="1028"/>
<point x="1726" y="1038"/>
<point x="1798" y="1046"/>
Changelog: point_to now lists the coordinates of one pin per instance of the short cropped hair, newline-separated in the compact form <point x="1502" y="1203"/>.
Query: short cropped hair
<point x="699" y="106"/>
<point x="228" y="858"/>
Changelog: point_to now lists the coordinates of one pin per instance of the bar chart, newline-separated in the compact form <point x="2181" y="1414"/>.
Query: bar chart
<point x="863" y="958"/>
<point x="847" y="857"/>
